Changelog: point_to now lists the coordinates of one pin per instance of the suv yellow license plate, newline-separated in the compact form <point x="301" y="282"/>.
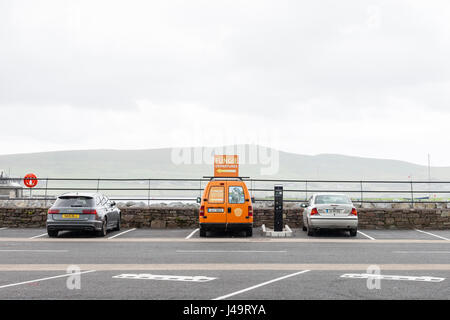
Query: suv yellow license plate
<point x="71" y="216"/>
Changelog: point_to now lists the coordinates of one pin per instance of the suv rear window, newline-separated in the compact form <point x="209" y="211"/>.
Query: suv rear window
<point x="216" y="195"/>
<point x="64" y="202"/>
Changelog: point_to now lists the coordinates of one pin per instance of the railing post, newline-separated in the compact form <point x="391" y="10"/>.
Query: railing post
<point x="46" y="185"/>
<point x="306" y="189"/>
<point x="361" y="185"/>
<point x="148" y="193"/>
<point x="412" y="194"/>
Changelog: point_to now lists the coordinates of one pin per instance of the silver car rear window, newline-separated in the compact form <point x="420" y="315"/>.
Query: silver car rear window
<point x="334" y="199"/>
<point x="74" y="202"/>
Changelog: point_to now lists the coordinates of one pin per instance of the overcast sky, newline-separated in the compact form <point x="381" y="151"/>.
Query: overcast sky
<point x="363" y="78"/>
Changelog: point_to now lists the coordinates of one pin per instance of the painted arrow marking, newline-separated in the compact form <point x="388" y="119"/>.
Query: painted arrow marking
<point x="226" y="170"/>
<point x="145" y="276"/>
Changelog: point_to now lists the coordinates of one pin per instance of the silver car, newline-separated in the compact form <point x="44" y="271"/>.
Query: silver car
<point x="83" y="211"/>
<point x="330" y="211"/>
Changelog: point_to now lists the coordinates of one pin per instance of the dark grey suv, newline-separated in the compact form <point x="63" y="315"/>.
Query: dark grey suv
<point x="83" y="211"/>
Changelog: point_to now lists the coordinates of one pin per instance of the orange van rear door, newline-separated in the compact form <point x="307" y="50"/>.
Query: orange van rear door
<point x="215" y="207"/>
<point x="237" y="210"/>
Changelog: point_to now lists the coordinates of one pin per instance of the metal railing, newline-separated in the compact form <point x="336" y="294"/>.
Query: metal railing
<point x="151" y="189"/>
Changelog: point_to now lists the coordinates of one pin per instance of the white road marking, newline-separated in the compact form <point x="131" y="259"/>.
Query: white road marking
<point x="288" y="267"/>
<point x="391" y="277"/>
<point x="164" y="277"/>
<point x="119" y="234"/>
<point x="3" y="228"/>
<point x="230" y="251"/>
<point x="192" y="233"/>
<point x="432" y="234"/>
<point x="260" y="285"/>
<point x="39" y="236"/>
<point x="365" y="235"/>
<point x="44" y="279"/>
<point x="5" y="250"/>
<point x="431" y="252"/>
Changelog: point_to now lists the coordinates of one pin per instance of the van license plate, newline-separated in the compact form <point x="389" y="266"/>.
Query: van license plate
<point x="216" y="210"/>
<point x="71" y="216"/>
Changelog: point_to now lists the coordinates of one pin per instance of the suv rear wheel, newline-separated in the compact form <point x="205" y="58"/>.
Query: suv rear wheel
<point x="52" y="233"/>
<point x="353" y="232"/>
<point x="117" y="228"/>
<point x="103" y="231"/>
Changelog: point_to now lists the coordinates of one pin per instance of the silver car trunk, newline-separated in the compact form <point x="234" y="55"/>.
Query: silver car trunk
<point x="334" y="210"/>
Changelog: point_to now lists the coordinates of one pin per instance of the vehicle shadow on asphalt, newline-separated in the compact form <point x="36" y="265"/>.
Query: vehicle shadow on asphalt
<point x="330" y="233"/>
<point x="76" y="234"/>
<point x="224" y="234"/>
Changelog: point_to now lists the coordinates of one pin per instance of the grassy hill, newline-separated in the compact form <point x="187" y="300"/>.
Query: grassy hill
<point x="157" y="163"/>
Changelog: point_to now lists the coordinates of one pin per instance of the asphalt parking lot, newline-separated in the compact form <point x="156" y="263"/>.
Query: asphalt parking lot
<point x="178" y="264"/>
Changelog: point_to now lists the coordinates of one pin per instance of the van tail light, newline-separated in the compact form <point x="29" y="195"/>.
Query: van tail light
<point x="202" y="211"/>
<point x="250" y="211"/>
<point x="89" y="211"/>
<point x="53" y="211"/>
<point x="314" y="211"/>
<point x="354" y="212"/>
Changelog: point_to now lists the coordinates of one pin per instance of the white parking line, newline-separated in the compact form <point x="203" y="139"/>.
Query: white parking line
<point x="431" y="252"/>
<point x="44" y="279"/>
<point x="193" y="232"/>
<point x="41" y="235"/>
<point x="432" y="234"/>
<point x="365" y="235"/>
<point x="33" y="250"/>
<point x="230" y="251"/>
<point x="260" y="285"/>
<point x="119" y="234"/>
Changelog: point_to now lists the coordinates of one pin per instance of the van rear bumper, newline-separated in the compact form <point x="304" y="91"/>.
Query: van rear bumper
<point x="225" y="226"/>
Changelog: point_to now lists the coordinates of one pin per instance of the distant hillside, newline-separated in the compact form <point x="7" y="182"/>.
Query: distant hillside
<point x="157" y="163"/>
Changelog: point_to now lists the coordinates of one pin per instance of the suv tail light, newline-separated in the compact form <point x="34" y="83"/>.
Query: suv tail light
<point x="354" y="212"/>
<point x="202" y="211"/>
<point x="53" y="211"/>
<point x="314" y="211"/>
<point x="89" y="211"/>
<point x="250" y="211"/>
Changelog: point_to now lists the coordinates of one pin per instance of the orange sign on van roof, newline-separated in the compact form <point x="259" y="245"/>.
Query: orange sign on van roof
<point x="226" y="166"/>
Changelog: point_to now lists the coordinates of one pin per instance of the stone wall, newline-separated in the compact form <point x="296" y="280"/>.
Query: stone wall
<point x="369" y="218"/>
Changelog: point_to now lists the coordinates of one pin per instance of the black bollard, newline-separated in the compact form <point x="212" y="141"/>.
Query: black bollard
<point x="278" y="214"/>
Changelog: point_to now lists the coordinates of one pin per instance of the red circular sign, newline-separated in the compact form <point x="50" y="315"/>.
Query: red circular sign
<point x="30" y="180"/>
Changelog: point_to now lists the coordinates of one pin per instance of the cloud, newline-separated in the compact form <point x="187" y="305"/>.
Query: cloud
<point x="290" y="74"/>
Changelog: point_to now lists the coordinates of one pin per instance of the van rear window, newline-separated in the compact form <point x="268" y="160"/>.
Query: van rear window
<point x="236" y="195"/>
<point x="216" y="195"/>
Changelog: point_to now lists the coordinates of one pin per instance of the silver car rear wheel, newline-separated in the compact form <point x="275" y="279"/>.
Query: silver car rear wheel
<point x="310" y="231"/>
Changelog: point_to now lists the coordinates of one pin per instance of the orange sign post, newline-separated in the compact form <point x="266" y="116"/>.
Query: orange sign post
<point x="226" y="166"/>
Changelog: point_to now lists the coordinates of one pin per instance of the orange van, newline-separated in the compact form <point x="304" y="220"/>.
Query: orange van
<point x="226" y="206"/>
